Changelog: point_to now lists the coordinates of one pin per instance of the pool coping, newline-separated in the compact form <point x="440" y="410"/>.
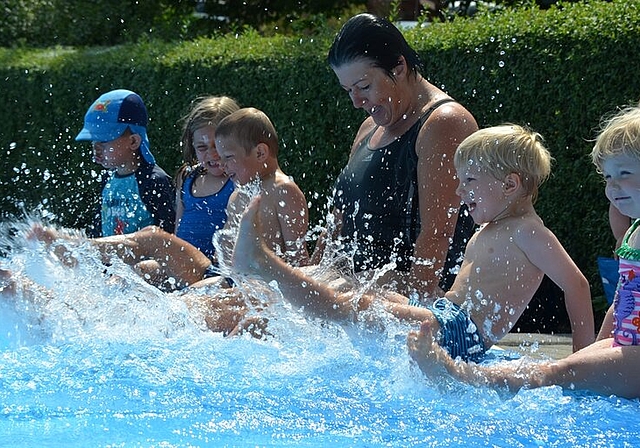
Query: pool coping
<point x="538" y="345"/>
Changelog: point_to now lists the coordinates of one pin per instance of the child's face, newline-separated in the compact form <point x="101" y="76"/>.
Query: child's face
<point x="205" y="147"/>
<point x="622" y="174"/>
<point x="481" y="192"/>
<point x="116" y="153"/>
<point x="241" y="167"/>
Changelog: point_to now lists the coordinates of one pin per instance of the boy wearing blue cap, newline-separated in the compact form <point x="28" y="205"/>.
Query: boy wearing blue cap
<point x="136" y="192"/>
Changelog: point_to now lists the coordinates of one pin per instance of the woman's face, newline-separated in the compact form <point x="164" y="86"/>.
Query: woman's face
<point x="371" y="89"/>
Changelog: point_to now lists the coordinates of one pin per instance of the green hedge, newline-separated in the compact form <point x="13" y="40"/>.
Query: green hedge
<point x="557" y="70"/>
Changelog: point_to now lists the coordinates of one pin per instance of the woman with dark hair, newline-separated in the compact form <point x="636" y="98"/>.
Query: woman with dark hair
<point x="395" y="200"/>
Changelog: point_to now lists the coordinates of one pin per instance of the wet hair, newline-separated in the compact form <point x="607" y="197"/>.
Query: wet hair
<point x="506" y="149"/>
<point x="620" y="134"/>
<point x="249" y="127"/>
<point x="205" y="111"/>
<point x="366" y="36"/>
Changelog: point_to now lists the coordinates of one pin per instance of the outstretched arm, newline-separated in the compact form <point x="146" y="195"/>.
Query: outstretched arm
<point x="293" y="218"/>
<point x="545" y="251"/>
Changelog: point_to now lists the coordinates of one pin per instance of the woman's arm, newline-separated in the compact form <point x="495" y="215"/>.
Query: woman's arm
<point x="437" y="142"/>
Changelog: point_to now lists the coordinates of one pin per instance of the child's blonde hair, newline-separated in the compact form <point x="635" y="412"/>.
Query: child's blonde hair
<point x="249" y="127"/>
<point x="506" y="149"/>
<point x="620" y="134"/>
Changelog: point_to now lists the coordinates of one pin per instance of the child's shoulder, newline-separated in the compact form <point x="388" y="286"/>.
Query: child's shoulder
<point x="152" y="172"/>
<point x="527" y="225"/>
<point x="282" y="184"/>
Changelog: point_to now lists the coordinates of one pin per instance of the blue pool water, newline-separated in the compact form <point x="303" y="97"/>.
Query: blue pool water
<point x="105" y="360"/>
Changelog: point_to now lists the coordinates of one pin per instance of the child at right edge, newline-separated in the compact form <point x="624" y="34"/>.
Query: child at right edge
<point x="611" y="364"/>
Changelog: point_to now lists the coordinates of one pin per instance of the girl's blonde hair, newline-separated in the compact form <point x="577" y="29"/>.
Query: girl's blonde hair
<point x="506" y="149"/>
<point x="205" y="111"/>
<point x="620" y="134"/>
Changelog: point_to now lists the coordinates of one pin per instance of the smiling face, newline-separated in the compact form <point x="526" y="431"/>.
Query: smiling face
<point x="205" y="148"/>
<point x="241" y="167"/>
<point x="622" y="175"/>
<point x="371" y="89"/>
<point x="118" y="154"/>
<point x="481" y="192"/>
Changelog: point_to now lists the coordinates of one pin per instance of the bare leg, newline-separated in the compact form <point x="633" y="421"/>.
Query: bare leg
<point x="176" y="259"/>
<point x="599" y="368"/>
<point x="606" y="329"/>
<point x="252" y="257"/>
<point x="7" y="284"/>
<point x="12" y="285"/>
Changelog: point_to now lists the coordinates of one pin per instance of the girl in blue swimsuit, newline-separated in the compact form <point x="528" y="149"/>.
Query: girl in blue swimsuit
<point x="203" y="188"/>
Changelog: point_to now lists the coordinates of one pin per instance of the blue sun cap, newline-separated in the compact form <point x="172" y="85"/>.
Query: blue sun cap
<point x="111" y="114"/>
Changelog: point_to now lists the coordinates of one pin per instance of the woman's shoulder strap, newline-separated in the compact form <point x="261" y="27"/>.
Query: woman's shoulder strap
<point x="433" y="107"/>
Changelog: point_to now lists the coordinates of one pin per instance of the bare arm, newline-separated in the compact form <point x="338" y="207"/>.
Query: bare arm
<point x="293" y="217"/>
<point x="606" y="330"/>
<point x="439" y="203"/>
<point x="544" y="250"/>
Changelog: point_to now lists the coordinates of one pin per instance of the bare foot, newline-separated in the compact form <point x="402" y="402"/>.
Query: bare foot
<point x="250" y="248"/>
<point x="48" y="236"/>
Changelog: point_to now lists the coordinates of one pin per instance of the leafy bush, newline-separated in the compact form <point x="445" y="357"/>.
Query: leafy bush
<point x="113" y="22"/>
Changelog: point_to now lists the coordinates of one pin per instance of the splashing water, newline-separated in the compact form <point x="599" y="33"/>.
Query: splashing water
<point x="91" y="355"/>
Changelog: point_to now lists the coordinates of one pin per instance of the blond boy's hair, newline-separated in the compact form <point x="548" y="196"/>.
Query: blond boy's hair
<point x="620" y="134"/>
<point x="249" y="127"/>
<point x="506" y="149"/>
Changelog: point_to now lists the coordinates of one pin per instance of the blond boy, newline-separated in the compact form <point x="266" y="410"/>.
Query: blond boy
<point x="609" y="365"/>
<point x="499" y="171"/>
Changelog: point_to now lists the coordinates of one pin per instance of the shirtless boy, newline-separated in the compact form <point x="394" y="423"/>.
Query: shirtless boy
<point x="248" y="146"/>
<point x="499" y="171"/>
<point x="609" y="365"/>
